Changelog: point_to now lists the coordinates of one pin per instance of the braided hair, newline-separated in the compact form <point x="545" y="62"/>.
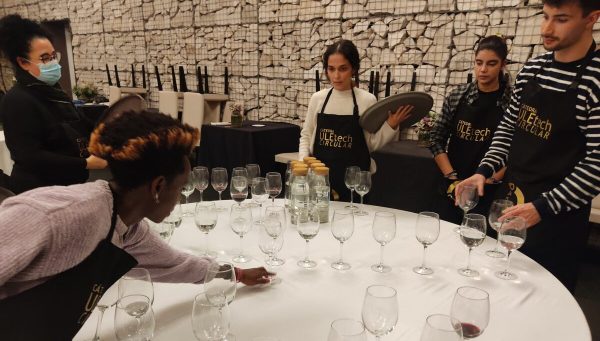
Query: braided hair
<point x="142" y="145"/>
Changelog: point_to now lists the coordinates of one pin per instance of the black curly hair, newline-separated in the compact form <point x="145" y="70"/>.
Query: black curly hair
<point x="16" y="34"/>
<point x="142" y="145"/>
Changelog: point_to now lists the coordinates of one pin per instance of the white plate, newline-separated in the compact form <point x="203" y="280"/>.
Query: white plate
<point x="259" y="125"/>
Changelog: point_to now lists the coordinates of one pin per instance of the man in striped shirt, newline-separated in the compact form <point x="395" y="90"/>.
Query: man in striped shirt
<point x="549" y="139"/>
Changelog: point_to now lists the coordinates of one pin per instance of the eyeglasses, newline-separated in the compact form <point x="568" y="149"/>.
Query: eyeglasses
<point x="48" y="57"/>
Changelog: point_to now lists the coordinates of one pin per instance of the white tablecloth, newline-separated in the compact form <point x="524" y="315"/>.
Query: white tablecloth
<point x="5" y="162"/>
<point x="302" y="306"/>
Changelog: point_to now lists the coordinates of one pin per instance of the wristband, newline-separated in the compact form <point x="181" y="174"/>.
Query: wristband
<point x="451" y="174"/>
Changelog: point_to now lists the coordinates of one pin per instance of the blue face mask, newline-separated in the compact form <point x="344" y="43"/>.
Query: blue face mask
<point x="49" y="73"/>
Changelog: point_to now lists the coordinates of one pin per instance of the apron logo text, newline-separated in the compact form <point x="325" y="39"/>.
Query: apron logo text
<point x="92" y="301"/>
<point x="530" y="122"/>
<point x="466" y="132"/>
<point x="328" y="138"/>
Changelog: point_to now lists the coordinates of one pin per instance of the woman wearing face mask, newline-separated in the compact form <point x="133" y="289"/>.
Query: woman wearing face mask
<point x="463" y="133"/>
<point x="47" y="138"/>
<point x="331" y="131"/>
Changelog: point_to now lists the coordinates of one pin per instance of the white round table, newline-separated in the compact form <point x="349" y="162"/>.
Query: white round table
<point x="6" y="163"/>
<point x="300" y="308"/>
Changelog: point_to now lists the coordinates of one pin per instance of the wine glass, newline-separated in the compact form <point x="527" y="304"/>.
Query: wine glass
<point x="136" y="281"/>
<point x="472" y="234"/>
<point x="439" y="327"/>
<point x="239" y="188"/>
<point x="351" y="179"/>
<point x="240" y="219"/>
<point x="363" y="186"/>
<point x="109" y="297"/>
<point x="347" y="330"/>
<point x="467" y="200"/>
<point x="253" y="171"/>
<point x="471" y="306"/>
<point x="164" y="230"/>
<point x="496" y="211"/>
<point x="259" y="193"/>
<point x="173" y="220"/>
<point x="239" y="171"/>
<point x="380" y="310"/>
<point x="219" y="182"/>
<point x="307" y="224"/>
<point x="220" y="284"/>
<point x="342" y="228"/>
<point x="274" y="185"/>
<point x="187" y="190"/>
<point x="201" y="179"/>
<point x="205" y="218"/>
<point x="384" y="231"/>
<point x="134" y="318"/>
<point x="268" y="244"/>
<point x="210" y="322"/>
<point x="275" y="221"/>
<point x="427" y="231"/>
<point x="512" y="235"/>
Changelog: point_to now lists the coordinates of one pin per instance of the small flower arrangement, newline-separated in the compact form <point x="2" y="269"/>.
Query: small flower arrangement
<point x="424" y="126"/>
<point x="237" y="116"/>
<point x="86" y="93"/>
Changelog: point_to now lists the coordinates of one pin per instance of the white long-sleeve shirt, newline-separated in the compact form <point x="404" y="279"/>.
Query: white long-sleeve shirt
<point x="340" y="103"/>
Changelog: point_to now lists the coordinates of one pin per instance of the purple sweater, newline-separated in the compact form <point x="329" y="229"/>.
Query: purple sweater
<point x="48" y="230"/>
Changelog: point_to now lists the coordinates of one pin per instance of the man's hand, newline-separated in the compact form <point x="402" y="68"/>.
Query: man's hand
<point x="255" y="276"/>
<point x="476" y="180"/>
<point x="526" y="211"/>
<point x="399" y="116"/>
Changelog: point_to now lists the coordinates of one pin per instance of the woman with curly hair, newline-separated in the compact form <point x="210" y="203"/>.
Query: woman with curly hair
<point x="61" y="247"/>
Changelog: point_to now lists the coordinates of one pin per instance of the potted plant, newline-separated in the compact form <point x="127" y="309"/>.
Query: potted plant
<point x="86" y="93"/>
<point x="423" y="129"/>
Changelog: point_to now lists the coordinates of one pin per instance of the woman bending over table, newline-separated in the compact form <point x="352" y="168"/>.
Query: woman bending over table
<point x="61" y="247"/>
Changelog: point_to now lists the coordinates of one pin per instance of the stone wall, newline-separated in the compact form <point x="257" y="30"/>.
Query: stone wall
<point x="273" y="47"/>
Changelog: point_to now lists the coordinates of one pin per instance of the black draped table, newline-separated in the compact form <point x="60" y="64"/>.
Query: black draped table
<point x="407" y="177"/>
<point x="255" y="142"/>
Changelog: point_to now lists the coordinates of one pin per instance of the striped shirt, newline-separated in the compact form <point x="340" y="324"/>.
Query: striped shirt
<point x="583" y="183"/>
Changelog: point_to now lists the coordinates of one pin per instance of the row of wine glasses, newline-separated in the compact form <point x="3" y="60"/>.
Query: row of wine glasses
<point x="359" y="181"/>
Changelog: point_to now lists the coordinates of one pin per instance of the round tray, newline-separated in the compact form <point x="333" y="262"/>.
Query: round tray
<point x="125" y="103"/>
<point x="372" y="119"/>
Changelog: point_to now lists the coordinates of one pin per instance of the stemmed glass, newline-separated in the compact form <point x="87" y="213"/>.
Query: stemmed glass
<point x="363" y="186"/>
<point x="109" y="298"/>
<point x="134" y="318"/>
<point x="219" y="182"/>
<point x="187" y="190"/>
<point x="206" y="219"/>
<point x="164" y="230"/>
<point x="351" y="179"/>
<point x="496" y="211"/>
<point x="471" y="306"/>
<point x="274" y="185"/>
<point x="220" y="284"/>
<point x="307" y="224"/>
<point x="342" y="228"/>
<point x="347" y="330"/>
<point x="467" y="200"/>
<point x="427" y="231"/>
<point x="275" y="222"/>
<point x="269" y="245"/>
<point x="200" y="180"/>
<point x="472" y="234"/>
<point x="380" y="310"/>
<point x="136" y="281"/>
<point x="252" y="171"/>
<point x="240" y="219"/>
<point x="384" y="231"/>
<point x="512" y="236"/>
<point x="174" y="218"/>
<point x="259" y="193"/>
<point x="239" y="189"/>
<point x="439" y="327"/>
<point x="209" y="322"/>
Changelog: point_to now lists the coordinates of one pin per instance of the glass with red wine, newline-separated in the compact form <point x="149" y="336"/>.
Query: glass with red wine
<point x="471" y="306"/>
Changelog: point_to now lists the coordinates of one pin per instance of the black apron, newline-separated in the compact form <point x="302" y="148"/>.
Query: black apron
<point x="340" y="143"/>
<point x="547" y="144"/>
<point x="473" y="127"/>
<point x="58" y="308"/>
